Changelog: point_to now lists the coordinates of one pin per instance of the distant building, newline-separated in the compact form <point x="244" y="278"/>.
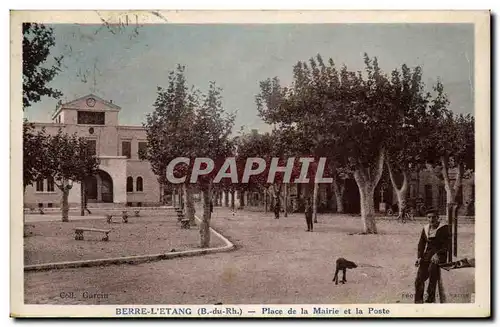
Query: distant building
<point x="122" y="178"/>
<point x="424" y="185"/>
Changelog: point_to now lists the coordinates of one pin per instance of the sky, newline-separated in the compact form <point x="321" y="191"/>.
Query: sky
<point x="130" y="67"/>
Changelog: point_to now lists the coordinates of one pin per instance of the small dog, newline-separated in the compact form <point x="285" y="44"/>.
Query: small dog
<point x="342" y="264"/>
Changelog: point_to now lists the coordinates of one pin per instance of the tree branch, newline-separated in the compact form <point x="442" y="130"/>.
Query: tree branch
<point x="458" y="179"/>
<point x="380" y="165"/>
<point x="404" y="187"/>
<point x="444" y="171"/>
<point x="358" y="177"/>
<point x="391" y="176"/>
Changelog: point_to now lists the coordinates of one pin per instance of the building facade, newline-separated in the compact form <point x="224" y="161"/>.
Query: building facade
<point x="123" y="179"/>
<point x="425" y="186"/>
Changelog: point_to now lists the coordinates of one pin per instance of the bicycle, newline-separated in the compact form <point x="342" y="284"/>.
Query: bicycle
<point x="391" y="211"/>
<point x="407" y="215"/>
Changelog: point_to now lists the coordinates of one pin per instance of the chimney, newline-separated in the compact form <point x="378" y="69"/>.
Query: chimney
<point x="110" y="101"/>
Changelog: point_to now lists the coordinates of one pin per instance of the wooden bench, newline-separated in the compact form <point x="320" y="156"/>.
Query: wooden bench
<point x="79" y="233"/>
<point x="185" y="224"/>
<point x="181" y="218"/>
<point x="33" y="211"/>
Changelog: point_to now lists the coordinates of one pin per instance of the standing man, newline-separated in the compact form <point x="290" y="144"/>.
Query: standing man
<point x="309" y="215"/>
<point x="432" y="250"/>
<point x="85" y="208"/>
<point x="277" y="208"/>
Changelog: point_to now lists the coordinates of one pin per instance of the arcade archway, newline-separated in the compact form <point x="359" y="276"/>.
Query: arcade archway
<point x="99" y="188"/>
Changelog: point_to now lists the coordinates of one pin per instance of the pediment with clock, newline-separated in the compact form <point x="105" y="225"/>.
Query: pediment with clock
<point x="91" y="102"/>
<point x="87" y="110"/>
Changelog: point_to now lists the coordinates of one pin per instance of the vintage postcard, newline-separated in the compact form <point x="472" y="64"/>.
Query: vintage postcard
<point x="277" y="164"/>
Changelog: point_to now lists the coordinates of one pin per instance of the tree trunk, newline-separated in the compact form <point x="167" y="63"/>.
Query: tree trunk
<point x="368" y="209"/>
<point x="451" y="191"/>
<point x="242" y="199"/>
<point x="181" y="199"/>
<point x="226" y="198"/>
<point x="367" y="179"/>
<point x="329" y="197"/>
<point x="205" y="222"/>
<point x="183" y="194"/>
<point x="65" y="186"/>
<point x="190" y="210"/>
<point x="265" y="200"/>
<point x="451" y="194"/>
<point x="232" y="199"/>
<point x="285" y="204"/>
<point x="315" y="202"/>
<point x="299" y="195"/>
<point x="401" y="193"/>
<point x="65" y="204"/>
<point x="174" y="202"/>
<point x="401" y="196"/>
<point x="339" y="195"/>
<point x="82" y="199"/>
<point x="161" y="193"/>
<point x="417" y="193"/>
<point x="455" y="230"/>
<point x="216" y="199"/>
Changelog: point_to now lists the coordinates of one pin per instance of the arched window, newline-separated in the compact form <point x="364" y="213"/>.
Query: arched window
<point x="130" y="184"/>
<point x="50" y="184"/>
<point x="138" y="184"/>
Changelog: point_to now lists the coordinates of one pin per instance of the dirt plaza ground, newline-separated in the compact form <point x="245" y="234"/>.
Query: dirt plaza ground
<point x="54" y="241"/>
<point x="276" y="261"/>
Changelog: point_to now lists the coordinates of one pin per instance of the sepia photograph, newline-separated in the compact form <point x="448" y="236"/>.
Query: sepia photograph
<point x="250" y="164"/>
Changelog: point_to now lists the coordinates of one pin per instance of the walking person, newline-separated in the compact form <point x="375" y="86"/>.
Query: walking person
<point x="85" y="205"/>
<point x="432" y="250"/>
<point x="277" y="208"/>
<point x="402" y="214"/>
<point x="309" y="215"/>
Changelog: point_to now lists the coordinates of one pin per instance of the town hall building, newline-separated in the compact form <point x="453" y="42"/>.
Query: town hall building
<point x="123" y="179"/>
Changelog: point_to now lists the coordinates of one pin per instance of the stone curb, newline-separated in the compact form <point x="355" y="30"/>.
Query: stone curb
<point x="134" y="259"/>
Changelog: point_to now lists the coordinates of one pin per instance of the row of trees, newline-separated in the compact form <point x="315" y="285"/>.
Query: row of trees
<point x="187" y="123"/>
<point x="360" y="121"/>
<point x="62" y="157"/>
<point x="363" y="120"/>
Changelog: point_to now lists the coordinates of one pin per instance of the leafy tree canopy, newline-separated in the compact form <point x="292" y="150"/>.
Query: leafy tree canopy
<point x="37" y="42"/>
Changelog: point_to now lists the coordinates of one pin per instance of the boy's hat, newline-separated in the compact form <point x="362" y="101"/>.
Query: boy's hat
<point x="431" y="212"/>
